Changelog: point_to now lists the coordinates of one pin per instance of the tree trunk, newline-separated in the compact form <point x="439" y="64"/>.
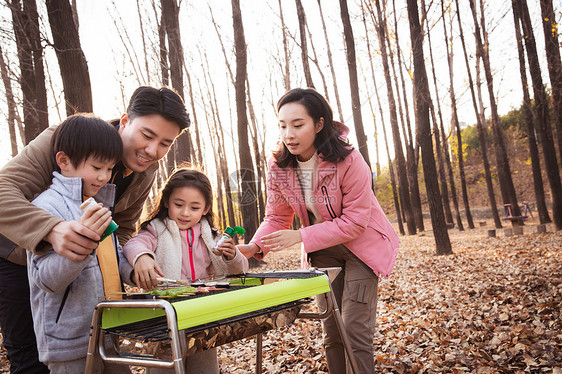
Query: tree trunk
<point x="287" y="70"/>
<point x="378" y="167"/>
<point x="550" y="28"/>
<point x="330" y="61"/>
<point x="30" y="55"/>
<point x="248" y="197"/>
<point x="353" y="83"/>
<point x="164" y="69"/>
<point x="72" y="62"/>
<point x="195" y="126"/>
<point x="170" y="12"/>
<point x="421" y="94"/>
<point x="543" y="118"/>
<point x="481" y="133"/>
<point x="438" y="148"/>
<point x="260" y="167"/>
<point x="304" y="50"/>
<point x="11" y="104"/>
<point x="544" y="217"/>
<point x="399" y="155"/>
<point x="411" y="157"/>
<point x="502" y="162"/>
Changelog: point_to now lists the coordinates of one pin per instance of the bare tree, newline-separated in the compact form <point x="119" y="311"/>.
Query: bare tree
<point x="411" y="155"/>
<point x="30" y="55"/>
<point x="330" y="61"/>
<point x="248" y="196"/>
<point x="180" y="152"/>
<point x="554" y="65"/>
<point x="438" y="147"/>
<point x="481" y="133"/>
<point x="353" y="82"/>
<point x="399" y="155"/>
<point x="543" y="118"/>
<point x="370" y="59"/>
<point x="422" y="97"/>
<point x="304" y="50"/>
<point x="72" y="62"/>
<point x="544" y="217"/>
<point x="287" y="70"/>
<point x="502" y="163"/>
<point x="10" y="101"/>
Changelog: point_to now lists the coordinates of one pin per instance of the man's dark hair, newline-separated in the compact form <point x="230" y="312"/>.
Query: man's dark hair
<point x="164" y="101"/>
<point x="83" y="135"/>
<point x="328" y="142"/>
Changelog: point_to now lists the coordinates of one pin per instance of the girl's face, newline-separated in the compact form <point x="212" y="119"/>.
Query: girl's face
<point x="297" y="130"/>
<point x="186" y="206"/>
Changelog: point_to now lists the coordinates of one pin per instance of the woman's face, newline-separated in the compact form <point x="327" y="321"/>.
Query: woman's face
<point x="297" y="130"/>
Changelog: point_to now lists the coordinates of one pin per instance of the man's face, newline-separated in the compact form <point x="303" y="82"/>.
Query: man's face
<point x="146" y="140"/>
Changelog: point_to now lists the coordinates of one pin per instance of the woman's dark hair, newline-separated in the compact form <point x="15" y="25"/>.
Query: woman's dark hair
<point x="164" y="101"/>
<point x="81" y="136"/>
<point x="184" y="177"/>
<point x="328" y="142"/>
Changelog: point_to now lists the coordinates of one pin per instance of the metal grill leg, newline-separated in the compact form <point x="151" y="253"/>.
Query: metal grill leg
<point x="258" y="353"/>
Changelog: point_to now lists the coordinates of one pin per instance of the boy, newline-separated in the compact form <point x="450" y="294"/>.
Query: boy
<point x="154" y="118"/>
<point x="63" y="292"/>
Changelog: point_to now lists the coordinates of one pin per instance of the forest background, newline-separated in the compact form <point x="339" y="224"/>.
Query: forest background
<point x="231" y="61"/>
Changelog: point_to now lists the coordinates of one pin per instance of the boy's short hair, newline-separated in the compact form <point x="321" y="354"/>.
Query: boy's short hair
<point x="164" y="101"/>
<point x="81" y="136"/>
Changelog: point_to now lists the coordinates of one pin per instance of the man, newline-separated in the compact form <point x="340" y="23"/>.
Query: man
<point x="154" y="118"/>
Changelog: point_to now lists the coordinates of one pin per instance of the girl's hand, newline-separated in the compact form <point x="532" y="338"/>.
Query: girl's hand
<point x="248" y="250"/>
<point x="281" y="239"/>
<point x="146" y="272"/>
<point x="96" y="218"/>
<point x="228" y="249"/>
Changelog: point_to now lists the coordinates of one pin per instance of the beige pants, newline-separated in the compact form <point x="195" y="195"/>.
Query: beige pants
<point x="356" y="292"/>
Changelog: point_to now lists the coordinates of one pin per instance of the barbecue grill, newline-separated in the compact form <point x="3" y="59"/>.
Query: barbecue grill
<point x="253" y="303"/>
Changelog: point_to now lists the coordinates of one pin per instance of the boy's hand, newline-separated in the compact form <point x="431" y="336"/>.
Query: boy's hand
<point x="146" y="272"/>
<point x="72" y="240"/>
<point x="228" y="249"/>
<point x="96" y="218"/>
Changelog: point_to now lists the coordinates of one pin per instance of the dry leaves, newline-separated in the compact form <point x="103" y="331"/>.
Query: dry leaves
<point x="492" y="307"/>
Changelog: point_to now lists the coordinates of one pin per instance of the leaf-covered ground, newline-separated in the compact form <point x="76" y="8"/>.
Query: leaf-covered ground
<point x="494" y="306"/>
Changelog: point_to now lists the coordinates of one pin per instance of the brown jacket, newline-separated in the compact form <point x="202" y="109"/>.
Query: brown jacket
<point x="30" y="173"/>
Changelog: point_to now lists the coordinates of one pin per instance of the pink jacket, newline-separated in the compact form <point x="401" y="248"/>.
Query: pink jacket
<point x="350" y="212"/>
<point x="147" y="241"/>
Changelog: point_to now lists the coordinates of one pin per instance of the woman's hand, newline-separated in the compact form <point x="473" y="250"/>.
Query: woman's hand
<point x="146" y="272"/>
<point x="228" y="249"/>
<point x="281" y="239"/>
<point x="248" y="250"/>
<point x="96" y="218"/>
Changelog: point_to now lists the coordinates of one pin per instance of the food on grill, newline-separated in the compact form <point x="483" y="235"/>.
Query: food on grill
<point x="174" y="292"/>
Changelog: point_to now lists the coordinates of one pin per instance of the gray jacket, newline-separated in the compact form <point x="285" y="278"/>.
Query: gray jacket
<point x="64" y="292"/>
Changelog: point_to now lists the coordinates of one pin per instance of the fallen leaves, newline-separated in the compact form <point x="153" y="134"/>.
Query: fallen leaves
<point x="494" y="306"/>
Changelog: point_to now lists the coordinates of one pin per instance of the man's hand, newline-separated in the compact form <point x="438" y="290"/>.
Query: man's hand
<point x="72" y="240"/>
<point x="146" y="272"/>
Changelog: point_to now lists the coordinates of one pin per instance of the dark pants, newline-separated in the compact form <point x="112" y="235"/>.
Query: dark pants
<point x="16" y="321"/>
<point x="356" y="292"/>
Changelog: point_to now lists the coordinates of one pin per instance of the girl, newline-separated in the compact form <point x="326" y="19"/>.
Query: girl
<point x="317" y="175"/>
<point x="176" y="242"/>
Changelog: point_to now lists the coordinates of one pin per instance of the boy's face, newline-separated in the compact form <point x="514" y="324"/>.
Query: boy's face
<point x="146" y="140"/>
<point x="94" y="172"/>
